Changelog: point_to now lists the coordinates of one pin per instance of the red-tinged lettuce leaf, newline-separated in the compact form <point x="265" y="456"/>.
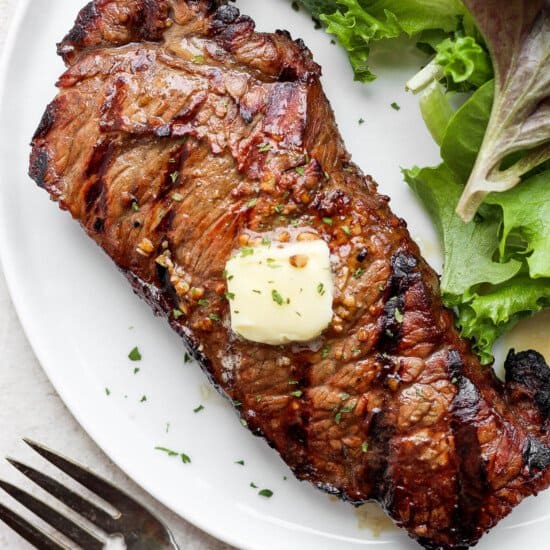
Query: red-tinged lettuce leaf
<point x="517" y="33"/>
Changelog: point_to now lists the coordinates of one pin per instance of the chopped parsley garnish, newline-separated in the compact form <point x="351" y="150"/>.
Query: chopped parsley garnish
<point x="267" y="493"/>
<point x="328" y="221"/>
<point x="340" y="412"/>
<point x="167" y="427"/>
<point x="236" y="403"/>
<point x="240" y="462"/>
<point x="297" y="393"/>
<point x="246" y="251"/>
<point x="346" y="230"/>
<point x="203" y="303"/>
<point x="169" y="452"/>
<point x="454" y="380"/>
<point x="358" y="273"/>
<point x="198" y="59"/>
<point x="321" y="289"/>
<point x="295" y="6"/>
<point x="361" y="121"/>
<point x="365" y="447"/>
<point x="177" y="197"/>
<point x="325" y="351"/>
<point x="395" y="106"/>
<point x="294" y="223"/>
<point x="266" y="241"/>
<point x="244" y="422"/>
<point x="399" y="316"/>
<point x="198" y="409"/>
<point x="279" y="208"/>
<point x="135" y="206"/>
<point x="174" y="176"/>
<point x="300" y="171"/>
<point x="256" y="291"/>
<point x="293" y="382"/>
<point x="214" y="317"/>
<point x="185" y="458"/>
<point x="134" y="355"/>
<point x="277" y="298"/>
<point x="251" y="203"/>
<point x="136" y="370"/>
<point x="264" y="147"/>
<point x="253" y="485"/>
<point x="272" y="262"/>
<point x="230" y="295"/>
<point x="186" y="358"/>
<point x="177" y="313"/>
<point x="107" y="392"/>
<point x="344" y="396"/>
<point x="143" y="399"/>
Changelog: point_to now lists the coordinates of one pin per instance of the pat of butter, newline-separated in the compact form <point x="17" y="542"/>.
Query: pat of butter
<point x="280" y="293"/>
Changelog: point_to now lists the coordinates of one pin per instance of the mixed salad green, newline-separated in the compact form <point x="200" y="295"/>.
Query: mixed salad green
<point x="490" y="197"/>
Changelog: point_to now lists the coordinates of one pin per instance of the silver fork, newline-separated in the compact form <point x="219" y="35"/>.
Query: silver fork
<point x="140" y="529"/>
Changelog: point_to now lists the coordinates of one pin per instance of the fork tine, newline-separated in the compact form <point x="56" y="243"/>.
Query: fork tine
<point x="52" y="517"/>
<point x="68" y="497"/>
<point x="96" y="484"/>
<point x="30" y="533"/>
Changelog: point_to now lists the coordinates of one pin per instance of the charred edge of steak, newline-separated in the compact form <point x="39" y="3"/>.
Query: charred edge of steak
<point x="39" y="165"/>
<point x="427" y="544"/>
<point x="530" y="371"/>
<point x="144" y="20"/>
<point x="404" y="275"/>
<point x="536" y="455"/>
<point x="47" y="120"/>
<point x="471" y="476"/>
<point x="162" y="301"/>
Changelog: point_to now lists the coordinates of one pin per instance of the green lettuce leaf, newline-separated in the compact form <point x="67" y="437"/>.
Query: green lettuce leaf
<point x="317" y="7"/>
<point x="490" y="292"/>
<point x="464" y="134"/>
<point x="486" y="317"/>
<point x="464" y="61"/>
<point x="359" y="23"/>
<point x="436" y="111"/>
<point x="517" y="34"/>
<point x="465" y="265"/>
<point x="526" y="222"/>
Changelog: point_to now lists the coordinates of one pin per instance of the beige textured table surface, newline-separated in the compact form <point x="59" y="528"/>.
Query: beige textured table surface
<point x="30" y="407"/>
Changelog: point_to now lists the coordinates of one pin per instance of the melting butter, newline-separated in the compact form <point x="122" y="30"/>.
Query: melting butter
<point x="280" y="292"/>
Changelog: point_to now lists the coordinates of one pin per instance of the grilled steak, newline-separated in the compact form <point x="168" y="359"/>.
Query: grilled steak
<point x="178" y="134"/>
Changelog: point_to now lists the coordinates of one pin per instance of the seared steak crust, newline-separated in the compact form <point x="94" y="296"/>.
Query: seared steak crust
<point x="178" y="135"/>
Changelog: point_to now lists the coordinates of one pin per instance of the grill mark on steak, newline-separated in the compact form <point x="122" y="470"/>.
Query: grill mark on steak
<point x="450" y="449"/>
<point x="471" y="478"/>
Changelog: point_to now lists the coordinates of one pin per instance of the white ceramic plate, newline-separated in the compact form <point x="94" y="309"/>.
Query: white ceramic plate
<point x="77" y="311"/>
